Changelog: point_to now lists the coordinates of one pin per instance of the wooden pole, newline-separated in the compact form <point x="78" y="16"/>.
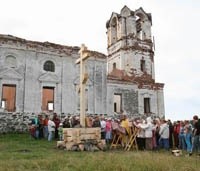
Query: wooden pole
<point x="84" y="54"/>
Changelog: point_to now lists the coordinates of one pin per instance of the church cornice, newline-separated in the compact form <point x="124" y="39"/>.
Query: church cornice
<point x="144" y="81"/>
<point x="136" y="47"/>
<point x="133" y="37"/>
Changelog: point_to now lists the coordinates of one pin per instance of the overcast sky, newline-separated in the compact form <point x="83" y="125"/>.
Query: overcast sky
<point x="176" y="28"/>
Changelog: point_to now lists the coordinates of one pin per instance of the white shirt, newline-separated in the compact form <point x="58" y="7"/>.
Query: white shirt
<point x="51" y="126"/>
<point x="103" y="125"/>
<point x="148" y="127"/>
<point x="164" y="131"/>
<point x="141" y="133"/>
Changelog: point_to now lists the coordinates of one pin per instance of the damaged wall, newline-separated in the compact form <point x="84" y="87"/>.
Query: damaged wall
<point x="133" y="53"/>
<point x="30" y="77"/>
<point x="129" y="42"/>
<point x="129" y="96"/>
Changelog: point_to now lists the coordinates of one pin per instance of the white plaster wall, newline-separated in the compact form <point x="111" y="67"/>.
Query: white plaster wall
<point x="136" y="64"/>
<point x="33" y="90"/>
<point x="146" y="28"/>
<point x="108" y="36"/>
<point x="156" y="101"/>
<point x="29" y="93"/>
<point x="131" y="59"/>
<point x="143" y="93"/>
<point x="160" y="103"/>
<point x="113" y="88"/>
<point x="12" y="80"/>
<point x="116" y="58"/>
<point x="122" y="23"/>
<point x="70" y="73"/>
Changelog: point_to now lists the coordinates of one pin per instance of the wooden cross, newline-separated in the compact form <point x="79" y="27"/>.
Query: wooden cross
<point x="84" y="54"/>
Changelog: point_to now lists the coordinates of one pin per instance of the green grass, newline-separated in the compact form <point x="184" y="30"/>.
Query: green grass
<point x="18" y="152"/>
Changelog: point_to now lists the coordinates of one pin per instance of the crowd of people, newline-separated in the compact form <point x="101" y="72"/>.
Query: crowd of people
<point x="152" y="134"/>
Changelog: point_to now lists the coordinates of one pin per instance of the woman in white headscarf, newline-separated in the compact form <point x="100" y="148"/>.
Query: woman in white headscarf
<point x="148" y="128"/>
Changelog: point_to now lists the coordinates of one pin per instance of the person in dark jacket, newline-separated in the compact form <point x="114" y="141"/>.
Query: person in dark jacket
<point x="196" y="134"/>
<point x="96" y="122"/>
<point x="56" y="120"/>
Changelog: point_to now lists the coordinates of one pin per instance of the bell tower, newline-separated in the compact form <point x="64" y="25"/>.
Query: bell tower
<point x="129" y="41"/>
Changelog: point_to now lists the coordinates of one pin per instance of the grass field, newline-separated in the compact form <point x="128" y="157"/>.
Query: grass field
<point x="18" y="152"/>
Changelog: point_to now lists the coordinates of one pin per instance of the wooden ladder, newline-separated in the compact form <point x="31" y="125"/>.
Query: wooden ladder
<point x="132" y="142"/>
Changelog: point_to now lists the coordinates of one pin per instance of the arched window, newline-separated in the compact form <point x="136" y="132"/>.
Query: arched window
<point x="49" y="66"/>
<point x="11" y="61"/>
<point x="114" y="30"/>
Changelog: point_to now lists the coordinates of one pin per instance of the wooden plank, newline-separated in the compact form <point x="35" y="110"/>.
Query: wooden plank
<point x="82" y="137"/>
<point x="90" y="137"/>
<point x="70" y="131"/>
<point x="79" y="134"/>
<point x="92" y="130"/>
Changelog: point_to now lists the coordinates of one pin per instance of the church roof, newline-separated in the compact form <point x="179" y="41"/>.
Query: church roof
<point x="43" y="46"/>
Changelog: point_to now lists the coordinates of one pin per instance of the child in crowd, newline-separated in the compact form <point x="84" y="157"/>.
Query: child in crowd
<point x="60" y="131"/>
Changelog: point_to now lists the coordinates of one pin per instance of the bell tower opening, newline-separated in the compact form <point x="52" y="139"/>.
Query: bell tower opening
<point x="114" y="30"/>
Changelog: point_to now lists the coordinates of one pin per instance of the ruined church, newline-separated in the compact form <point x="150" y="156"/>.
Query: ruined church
<point x="43" y="77"/>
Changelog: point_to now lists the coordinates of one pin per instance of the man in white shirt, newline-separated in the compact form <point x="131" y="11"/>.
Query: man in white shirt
<point x="51" y="129"/>
<point x="164" y="135"/>
<point x="103" y="127"/>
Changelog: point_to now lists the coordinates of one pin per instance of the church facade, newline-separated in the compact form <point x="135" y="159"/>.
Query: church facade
<point x="42" y="77"/>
